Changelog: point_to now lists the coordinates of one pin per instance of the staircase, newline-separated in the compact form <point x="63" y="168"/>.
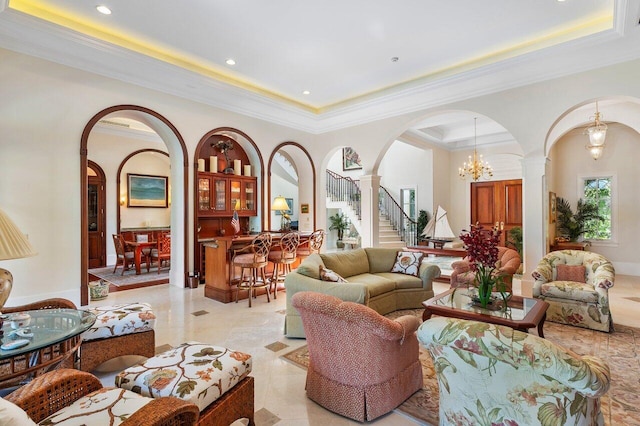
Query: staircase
<point x="396" y="229"/>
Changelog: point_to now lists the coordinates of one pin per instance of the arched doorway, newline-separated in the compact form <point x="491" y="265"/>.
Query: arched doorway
<point x="179" y="207"/>
<point x="299" y="176"/>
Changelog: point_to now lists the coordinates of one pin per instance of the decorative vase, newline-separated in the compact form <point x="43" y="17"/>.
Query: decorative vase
<point x="98" y="290"/>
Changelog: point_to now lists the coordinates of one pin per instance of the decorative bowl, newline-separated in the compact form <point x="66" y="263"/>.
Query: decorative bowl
<point x="20" y="320"/>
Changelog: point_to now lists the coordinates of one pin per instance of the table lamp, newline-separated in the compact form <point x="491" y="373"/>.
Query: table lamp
<point x="13" y="245"/>
<point x="280" y="203"/>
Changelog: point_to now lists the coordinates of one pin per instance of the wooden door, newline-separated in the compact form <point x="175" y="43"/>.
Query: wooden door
<point x="96" y="217"/>
<point x="497" y="203"/>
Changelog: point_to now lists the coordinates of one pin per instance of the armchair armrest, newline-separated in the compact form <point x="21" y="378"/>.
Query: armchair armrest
<point x="167" y="410"/>
<point x="52" y="391"/>
<point x="461" y="266"/>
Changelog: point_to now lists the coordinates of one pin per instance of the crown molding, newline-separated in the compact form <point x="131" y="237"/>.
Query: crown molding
<point x="25" y="34"/>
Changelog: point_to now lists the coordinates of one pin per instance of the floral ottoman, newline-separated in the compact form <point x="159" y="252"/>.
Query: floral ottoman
<point x="214" y="378"/>
<point x="119" y="330"/>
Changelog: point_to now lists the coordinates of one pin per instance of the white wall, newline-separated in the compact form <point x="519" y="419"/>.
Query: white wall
<point x="406" y="166"/>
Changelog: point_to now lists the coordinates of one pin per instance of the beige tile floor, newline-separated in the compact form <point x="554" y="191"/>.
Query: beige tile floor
<point x="185" y="314"/>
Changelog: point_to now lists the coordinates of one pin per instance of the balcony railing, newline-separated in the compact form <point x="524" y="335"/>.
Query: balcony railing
<point x="341" y="188"/>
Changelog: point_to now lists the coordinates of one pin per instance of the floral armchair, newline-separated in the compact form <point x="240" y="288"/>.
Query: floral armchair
<point x="362" y="365"/>
<point x="579" y="297"/>
<point x="507" y="265"/>
<point x="490" y="374"/>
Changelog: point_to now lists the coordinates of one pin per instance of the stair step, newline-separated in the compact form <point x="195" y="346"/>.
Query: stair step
<point x="392" y="244"/>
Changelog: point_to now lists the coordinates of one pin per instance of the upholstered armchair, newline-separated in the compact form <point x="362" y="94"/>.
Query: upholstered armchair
<point x="362" y="365"/>
<point x="576" y="285"/>
<point x="489" y="374"/>
<point x="507" y="265"/>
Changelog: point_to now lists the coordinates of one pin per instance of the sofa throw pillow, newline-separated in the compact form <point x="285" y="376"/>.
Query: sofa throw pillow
<point x="408" y="262"/>
<point x="11" y="414"/>
<point x="575" y="273"/>
<point x="329" y="275"/>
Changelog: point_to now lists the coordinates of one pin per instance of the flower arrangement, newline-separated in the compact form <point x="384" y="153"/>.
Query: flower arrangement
<point x="482" y="252"/>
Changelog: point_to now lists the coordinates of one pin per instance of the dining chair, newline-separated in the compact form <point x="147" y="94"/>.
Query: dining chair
<point x="283" y="259"/>
<point x="162" y="252"/>
<point x="255" y="258"/>
<point x="146" y="252"/>
<point x="123" y="257"/>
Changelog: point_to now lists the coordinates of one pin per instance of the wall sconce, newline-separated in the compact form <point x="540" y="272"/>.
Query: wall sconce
<point x="123" y="200"/>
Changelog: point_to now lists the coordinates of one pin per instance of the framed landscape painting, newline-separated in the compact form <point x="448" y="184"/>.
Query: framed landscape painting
<point x="147" y="191"/>
<point x="350" y="159"/>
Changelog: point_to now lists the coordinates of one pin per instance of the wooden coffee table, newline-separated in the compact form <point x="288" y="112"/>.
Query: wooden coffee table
<point x="521" y="313"/>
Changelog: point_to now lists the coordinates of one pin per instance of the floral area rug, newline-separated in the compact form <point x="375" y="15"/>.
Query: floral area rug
<point x="129" y="278"/>
<point x="621" y="350"/>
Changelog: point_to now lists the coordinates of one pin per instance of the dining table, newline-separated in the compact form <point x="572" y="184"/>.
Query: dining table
<point x="138" y="247"/>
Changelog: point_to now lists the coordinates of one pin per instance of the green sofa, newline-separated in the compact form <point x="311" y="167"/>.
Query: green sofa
<point x="369" y="282"/>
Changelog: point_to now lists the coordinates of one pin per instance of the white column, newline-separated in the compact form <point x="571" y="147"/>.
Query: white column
<point x="369" y="187"/>
<point x="535" y="216"/>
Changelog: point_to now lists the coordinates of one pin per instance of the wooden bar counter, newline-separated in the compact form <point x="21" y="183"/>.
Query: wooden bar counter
<point x="220" y="280"/>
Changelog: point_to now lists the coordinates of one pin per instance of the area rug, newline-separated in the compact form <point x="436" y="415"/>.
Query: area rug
<point x="130" y="278"/>
<point x="620" y="406"/>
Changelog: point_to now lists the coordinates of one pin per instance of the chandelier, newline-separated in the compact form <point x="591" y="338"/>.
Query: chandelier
<point x="476" y="167"/>
<point x="597" y="133"/>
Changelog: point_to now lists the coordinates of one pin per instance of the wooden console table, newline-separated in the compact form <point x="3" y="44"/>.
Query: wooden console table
<point x="440" y="251"/>
<point x="569" y="245"/>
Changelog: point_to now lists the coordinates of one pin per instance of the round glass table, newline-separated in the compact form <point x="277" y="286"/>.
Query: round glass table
<point x="56" y="338"/>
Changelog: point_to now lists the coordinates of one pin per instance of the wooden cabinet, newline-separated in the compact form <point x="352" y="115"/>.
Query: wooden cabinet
<point x="219" y="195"/>
<point x="497" y="203"/>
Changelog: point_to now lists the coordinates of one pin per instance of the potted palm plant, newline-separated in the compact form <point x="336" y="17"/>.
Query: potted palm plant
<point x="340" y="223"/>
<point x="573" y="225"/>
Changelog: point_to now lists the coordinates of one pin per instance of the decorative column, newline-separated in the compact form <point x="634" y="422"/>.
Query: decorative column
<point x="535" y="221"/>
<point x="369" y="189"/>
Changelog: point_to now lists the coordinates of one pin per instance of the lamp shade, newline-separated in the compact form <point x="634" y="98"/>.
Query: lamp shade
<point x="13" y="243"/>
<point x="279" y="203"/>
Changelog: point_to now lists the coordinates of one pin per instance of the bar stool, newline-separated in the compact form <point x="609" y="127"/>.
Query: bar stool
<point x="255" y="258"/>
<point x="283" y="259"/>
<point x="312" y="245"/>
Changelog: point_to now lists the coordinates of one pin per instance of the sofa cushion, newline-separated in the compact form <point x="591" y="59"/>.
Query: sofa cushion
<point x="402" y="280"/>
<point x="381" y="259"/>
<point x="408" y="263"/>
<point x="570" y="290"/>
<point x="106" y="406"/>
<point x="376" y="284"/>
<point x="347" y="263"/>
<point x="11" y="414"/>
<point x="310" y="266"/>
<point x="575" y="273"/>
<point x="195" y="372"/>
<point x="329" y="275"/>
<point x="118" y="320"/>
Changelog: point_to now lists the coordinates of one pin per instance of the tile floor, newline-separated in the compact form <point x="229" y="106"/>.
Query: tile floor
<point x="185" y="314"/>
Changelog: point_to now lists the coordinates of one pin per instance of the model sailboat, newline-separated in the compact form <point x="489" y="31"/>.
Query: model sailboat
<point x="438" y="229"/>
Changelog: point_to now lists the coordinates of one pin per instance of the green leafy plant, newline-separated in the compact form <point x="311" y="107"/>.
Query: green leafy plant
<point x="514" y="239"/>
<point x="423" y="219"/>
<point x="573" y="225"/>
<point x="340" y="223"/>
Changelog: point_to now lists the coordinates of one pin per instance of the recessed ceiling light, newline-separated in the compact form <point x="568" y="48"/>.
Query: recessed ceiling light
<point x="103" y="9"/>
<point x="306" y="92"/>
<point x="395" y="59"/>
<point x="230" y="62"/>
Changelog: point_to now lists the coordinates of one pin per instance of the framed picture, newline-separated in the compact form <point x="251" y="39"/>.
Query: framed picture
<point x="304" y="208"/>
<point x="290" y="204"/>
<point x="147" y="191"/>
<point x="552" y="207"/>
<point x="350" y="159"/>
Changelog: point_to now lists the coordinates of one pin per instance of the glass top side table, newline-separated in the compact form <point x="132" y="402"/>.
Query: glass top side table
<point x="57" y="334"/>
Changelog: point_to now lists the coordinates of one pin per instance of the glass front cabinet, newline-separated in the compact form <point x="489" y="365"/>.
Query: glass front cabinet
<point x="220" y="195"/>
